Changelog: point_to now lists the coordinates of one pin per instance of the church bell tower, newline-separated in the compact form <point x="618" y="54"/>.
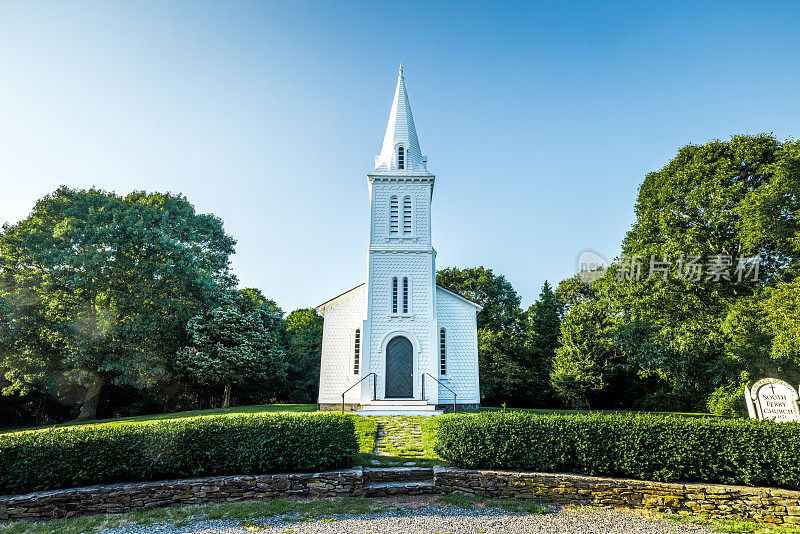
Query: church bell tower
<point x="398" y="344"/>
<point x="400" y="316"/>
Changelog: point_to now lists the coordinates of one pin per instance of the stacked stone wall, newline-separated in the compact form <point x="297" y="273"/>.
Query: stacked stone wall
<point x="770" y="505"/>
<point x="119" y="498"/>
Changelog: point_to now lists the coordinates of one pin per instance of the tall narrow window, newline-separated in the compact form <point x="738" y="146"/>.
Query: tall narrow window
<point x="394" y="216"/>
<point x="394" y="295"/>
<point x="405" y="295"/>
<point x="442" y="353"/>
<point x="407" y="215"/>
<point x="401" y="157"/>
<point x="357" y="352"/>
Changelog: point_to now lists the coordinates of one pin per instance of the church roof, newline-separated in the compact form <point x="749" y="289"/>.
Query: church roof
<point x="400" y="130"/>
<point x="322" y="306"/>
<point x="462" y="298"/>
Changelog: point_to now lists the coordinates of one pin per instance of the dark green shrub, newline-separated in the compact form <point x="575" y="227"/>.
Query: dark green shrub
<point x="151" y="450"/>
<point x="648" y="447"/>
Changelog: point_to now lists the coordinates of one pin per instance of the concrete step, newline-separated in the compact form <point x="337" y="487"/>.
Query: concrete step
<point x="404" y="405"/>
<point x="391" y="412"/>
<point x="385" y="489"/>
<point x="393" y="402"/>
<point x="401" y="407"/>
<point x="374" y="475"/>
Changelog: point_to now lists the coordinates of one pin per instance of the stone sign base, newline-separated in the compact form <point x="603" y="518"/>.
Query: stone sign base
<point x="768" y="505"/>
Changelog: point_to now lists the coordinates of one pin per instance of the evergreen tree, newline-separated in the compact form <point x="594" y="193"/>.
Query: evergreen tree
<point x="236" y="343"/>
<point x="542" y="328"/>
<point x="585" y="359"/>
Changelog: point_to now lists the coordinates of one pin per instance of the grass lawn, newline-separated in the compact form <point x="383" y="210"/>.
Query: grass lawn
<point x="732" y="525"/>
<point x="366" y="434"/>
<point x="279" y="408"/>
<point x="261" y="408"/>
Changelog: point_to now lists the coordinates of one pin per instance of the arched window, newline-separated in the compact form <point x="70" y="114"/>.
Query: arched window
<point x="394" y="216"/>
<point x="442" y="352"/>
<point x="357" y="352"/>
<point x="394" y="295"/>
<point x="405" y="295"/>
<point x="401" y="157"/>
<point x="407" y="215"/>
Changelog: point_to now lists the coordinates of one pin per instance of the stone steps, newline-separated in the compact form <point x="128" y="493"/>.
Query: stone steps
<point x="383" y="482"/>
<point x="395" y="474"/>
<point x="385" y="489"/>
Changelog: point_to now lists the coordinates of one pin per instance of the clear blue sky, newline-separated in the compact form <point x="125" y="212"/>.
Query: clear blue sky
<point x="540" y="120"/>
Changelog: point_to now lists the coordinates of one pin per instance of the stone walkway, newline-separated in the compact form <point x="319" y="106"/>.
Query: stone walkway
<point x="399" y="442"/>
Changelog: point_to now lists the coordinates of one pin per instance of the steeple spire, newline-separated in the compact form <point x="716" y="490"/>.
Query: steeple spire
<point x="400" y="150"/>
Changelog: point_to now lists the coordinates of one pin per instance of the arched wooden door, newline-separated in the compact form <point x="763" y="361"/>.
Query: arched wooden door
<point x="399" y="368"/>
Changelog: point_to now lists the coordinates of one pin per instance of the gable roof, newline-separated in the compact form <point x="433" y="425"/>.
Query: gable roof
<point x="319" y="308"/>
<point x="456" y="295"/>
<point x="464" y="299"/>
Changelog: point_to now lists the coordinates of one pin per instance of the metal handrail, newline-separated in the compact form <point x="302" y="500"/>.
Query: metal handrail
<point x="374" y="380"/>
<point x="440" y="383"/>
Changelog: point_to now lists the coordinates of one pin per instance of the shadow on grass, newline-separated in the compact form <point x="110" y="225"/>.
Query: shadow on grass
<point x="261" y="408"/>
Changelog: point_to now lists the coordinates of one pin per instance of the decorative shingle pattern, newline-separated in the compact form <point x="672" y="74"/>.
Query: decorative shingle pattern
<point x="458" y="318"/>
<point x="416" y="325"/>
<point x="342" y="317"/>
<point x="420" y="194"/>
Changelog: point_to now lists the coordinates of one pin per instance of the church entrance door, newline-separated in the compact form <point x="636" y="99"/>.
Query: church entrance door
<point x="399" y="368"/>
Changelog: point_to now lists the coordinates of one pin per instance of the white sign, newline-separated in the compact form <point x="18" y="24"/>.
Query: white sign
<point x="591" y="266"/>
<point x="772" y="399"/>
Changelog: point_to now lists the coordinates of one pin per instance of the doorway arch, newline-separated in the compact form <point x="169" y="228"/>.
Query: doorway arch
<point x="399" y="368"/>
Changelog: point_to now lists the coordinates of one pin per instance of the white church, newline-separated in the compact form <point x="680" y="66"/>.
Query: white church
<point x="398" y="343"/>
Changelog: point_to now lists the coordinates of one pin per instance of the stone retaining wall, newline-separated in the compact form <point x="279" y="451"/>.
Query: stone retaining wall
<point x="448" y="408"/>
<point x="118" y="498"/>
<point x="760" y="504"/>
<point x="768" y="505"/>
<point x="348" y="407"/>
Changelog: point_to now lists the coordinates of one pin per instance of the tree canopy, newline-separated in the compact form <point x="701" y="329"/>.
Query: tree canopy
<point x="131" y="297"/>
<point x="722" y="207"/>
<point x="99" y="288"/>
<point x="303" y="352"/>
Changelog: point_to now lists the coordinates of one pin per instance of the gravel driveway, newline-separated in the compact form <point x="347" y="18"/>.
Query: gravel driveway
<point x="432" y="520"/>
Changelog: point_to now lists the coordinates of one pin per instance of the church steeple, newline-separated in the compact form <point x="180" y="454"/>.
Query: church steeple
<point x="400" y="150"/>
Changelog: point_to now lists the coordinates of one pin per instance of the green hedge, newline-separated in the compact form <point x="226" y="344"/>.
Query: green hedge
<point x="648" y="447"/>
<point x="151" y="450"/>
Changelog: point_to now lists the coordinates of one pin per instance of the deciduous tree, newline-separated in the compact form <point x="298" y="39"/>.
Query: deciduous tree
<point x="99" y="288"/>
<point x="303" y="353"/>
